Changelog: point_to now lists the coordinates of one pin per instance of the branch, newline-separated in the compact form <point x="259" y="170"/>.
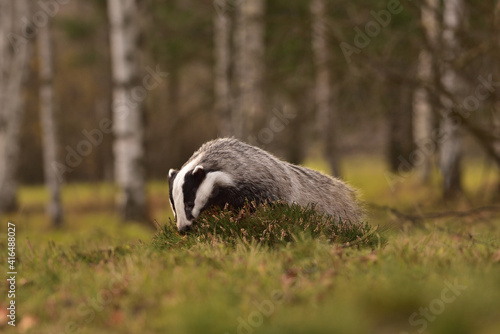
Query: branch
<point x="415" y="219"/>
<point x="486" y="140"/>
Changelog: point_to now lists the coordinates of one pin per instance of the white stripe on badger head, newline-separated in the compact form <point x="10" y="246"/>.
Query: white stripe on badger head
<point x="178" y="195"/>
<point x="206" y="187"/>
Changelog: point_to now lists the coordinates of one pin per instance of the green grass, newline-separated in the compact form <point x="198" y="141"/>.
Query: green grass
<point x="234" y="274"/>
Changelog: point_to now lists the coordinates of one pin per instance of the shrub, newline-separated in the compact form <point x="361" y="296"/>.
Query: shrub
<point x="269" y="224"/>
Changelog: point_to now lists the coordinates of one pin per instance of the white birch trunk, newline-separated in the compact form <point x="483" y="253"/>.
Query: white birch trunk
<point x="222" y="43"/>
<point x="423" y="116"/>
<point x="249" y="66"/>
<point x="49" y="127"/>
<point x="451" y="144"/>
<point x="325" y="114"/>
<point x="14" y="59"/>
<point x="128" y="115"/>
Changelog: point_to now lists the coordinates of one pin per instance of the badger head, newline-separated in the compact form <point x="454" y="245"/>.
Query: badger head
<point x="190" y="190"/>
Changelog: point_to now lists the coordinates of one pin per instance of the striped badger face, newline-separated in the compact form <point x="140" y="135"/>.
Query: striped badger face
<point x="190" y="192"/>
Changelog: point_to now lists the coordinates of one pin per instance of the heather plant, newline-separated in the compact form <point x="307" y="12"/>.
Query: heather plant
<point x="271" y="224"/>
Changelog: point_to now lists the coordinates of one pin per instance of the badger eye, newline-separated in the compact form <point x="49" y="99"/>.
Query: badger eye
<point x="189" y="206"/>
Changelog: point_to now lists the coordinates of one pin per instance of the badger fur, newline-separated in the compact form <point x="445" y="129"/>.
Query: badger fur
<point x="228" y="171"/>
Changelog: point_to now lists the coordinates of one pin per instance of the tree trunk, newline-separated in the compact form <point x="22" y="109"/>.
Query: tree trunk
<point x="326" y="116"/>
<point x="496" y="107"/>
<point x="14" y="58"/>
<point x="128" y="118"/>
<point x="249" y="66"/>
<point x="400" y="141"/>
<point x="222" y="42"/>
<point x="423" y="115"/>
<point x="49" y="126"/>
<point x="451" y="142"/>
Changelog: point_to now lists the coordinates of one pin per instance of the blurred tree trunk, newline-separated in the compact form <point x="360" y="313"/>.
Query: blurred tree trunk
<point x="49" y="126"/>
<point x="222" y="42"/>
<point x="128" y="117"/>
<point x="451" y="134"/>
<point x="326" y="116"/>
<point x="496" y="107"/>
<point x="14" y="64"/>
<point x="423" y="115"/>
<point x="103" y="103"/>
<point x="400" y="143"/>
<point x="249" y="66"/>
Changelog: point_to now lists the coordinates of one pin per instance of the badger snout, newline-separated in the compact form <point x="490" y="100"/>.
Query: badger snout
<point x="185" y="228"/>
<point x="185" y="225"/>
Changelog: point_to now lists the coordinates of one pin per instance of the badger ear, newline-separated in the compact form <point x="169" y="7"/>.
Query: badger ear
<point x="172" y="173"/>
<point x="199" y="171"/>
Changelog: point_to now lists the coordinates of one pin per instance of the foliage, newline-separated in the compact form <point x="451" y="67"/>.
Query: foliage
<point x="270" y="224"/>
<point x="76" y="29"/>
<point x="178" y="39"/>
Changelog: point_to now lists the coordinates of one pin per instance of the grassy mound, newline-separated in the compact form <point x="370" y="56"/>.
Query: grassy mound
<point x="269" y="224"/>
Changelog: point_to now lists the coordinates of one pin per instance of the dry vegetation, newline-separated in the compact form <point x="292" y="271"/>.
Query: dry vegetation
<point x="100" y="276"/>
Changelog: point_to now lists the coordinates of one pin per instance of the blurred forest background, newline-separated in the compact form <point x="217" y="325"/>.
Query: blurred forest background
<point x="121" y="91"/>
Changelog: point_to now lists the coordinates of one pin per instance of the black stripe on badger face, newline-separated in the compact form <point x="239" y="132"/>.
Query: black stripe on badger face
<point x="192" y="182"/>
<point x="171" y="177"/>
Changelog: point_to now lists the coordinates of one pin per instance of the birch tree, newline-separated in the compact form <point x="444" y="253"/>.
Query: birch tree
<point x="222" y="44"/>
<point x="14" y="59"/>
<point x="249" y="65"/>
<point x="325" y="115"/>
<point x="128" y="118"/>
<point x="49" y="126"/>
<point x="451" y="134"/>
<point x="423" y="116"/>
<point x="496" y="107"/>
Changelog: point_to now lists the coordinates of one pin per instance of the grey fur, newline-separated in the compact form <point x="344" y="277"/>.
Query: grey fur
<point x="257" y="172"/>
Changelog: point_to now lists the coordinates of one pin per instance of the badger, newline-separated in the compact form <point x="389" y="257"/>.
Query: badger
<point x="229" y="172"/>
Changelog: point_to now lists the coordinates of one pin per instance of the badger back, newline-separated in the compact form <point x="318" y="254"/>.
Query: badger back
<point x="329" y="195"/>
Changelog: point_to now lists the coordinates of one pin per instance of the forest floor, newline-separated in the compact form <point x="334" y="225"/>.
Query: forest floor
<point x="436" y="274"/>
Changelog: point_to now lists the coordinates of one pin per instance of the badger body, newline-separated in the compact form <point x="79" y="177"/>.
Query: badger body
<point x="228" y="171"/>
